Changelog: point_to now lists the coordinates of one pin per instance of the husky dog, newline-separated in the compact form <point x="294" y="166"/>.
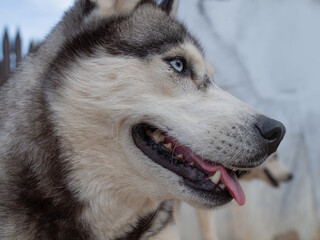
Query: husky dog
<point x="272" y="172"/>
<point x="115" y="114"/>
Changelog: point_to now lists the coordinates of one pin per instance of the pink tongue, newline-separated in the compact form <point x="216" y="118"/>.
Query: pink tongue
<point x="229" y="179"/>
<point x="232" y="183"/>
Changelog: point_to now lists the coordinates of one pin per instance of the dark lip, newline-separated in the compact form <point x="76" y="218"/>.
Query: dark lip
<point x="161" y="156"/>
<point x="220" y="197"/>
<point x="193" y="177"/>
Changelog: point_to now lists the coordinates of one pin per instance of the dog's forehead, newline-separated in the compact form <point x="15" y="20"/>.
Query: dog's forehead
<point x="153" y="31"/>
<point x="147" y="31"/>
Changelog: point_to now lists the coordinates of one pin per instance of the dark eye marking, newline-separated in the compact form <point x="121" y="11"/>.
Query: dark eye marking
<point x="205" y="83"/>
<point x="182" y="67"/>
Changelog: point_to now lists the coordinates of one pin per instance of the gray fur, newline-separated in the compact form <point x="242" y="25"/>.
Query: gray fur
<point x="37" y="200"/>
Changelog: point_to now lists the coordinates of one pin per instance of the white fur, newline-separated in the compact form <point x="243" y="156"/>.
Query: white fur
<point x="276" y="169"/>
<point x="171" y="232"/>
<point x="174" y="9"/>
<point x="102" y="98"/>
<point x="108" y="8"/>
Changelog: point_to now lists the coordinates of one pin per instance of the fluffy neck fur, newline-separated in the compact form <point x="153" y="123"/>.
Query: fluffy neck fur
<point x="104" y="209"/>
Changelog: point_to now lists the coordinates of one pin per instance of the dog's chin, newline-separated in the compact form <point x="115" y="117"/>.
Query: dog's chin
<point x="207" y="183"/>
<point x="199" y="197"/>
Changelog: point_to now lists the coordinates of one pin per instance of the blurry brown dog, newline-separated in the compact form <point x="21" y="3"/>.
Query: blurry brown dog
<point x="272" y="172"/>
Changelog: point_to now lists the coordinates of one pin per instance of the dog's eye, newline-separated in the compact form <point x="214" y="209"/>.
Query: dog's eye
<point x="177" y="64"/>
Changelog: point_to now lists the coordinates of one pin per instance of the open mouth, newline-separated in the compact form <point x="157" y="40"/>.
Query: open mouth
<point x="198" y="173"/>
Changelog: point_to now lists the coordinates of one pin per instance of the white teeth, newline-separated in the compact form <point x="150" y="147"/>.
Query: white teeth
<point x="222" y="186"/>
<point x="216" y="177"/>
<point x="168" y="146"/>
<point x="149" y="132"/>
<point x="191" y="164"/>
<point x="158" y="136"/>
<point x="180" y="156"/>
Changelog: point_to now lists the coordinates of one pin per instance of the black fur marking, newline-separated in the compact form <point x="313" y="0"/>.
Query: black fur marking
<point x="139" y="35"/>
<point x="88" y="7"/>
<point x="166" y="208"/>
<point x="140" y="228"/>
<point x="205" y="83"/>
<point x="166" y="5"/>
<point x="144" y="226"/>
<point x="38" y="186"/>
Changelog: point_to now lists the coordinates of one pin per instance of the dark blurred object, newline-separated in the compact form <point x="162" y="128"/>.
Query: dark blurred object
<point x="291" y="235"/>
<point x="9" y="54"/>
<point x="34" y="45"/>
<point x="12" y="54"/>
<point x="5" y="63"/>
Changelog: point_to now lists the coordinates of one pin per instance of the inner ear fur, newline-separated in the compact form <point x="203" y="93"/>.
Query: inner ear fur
<point x="170" y="7"/>
<point x="108" y="8"/>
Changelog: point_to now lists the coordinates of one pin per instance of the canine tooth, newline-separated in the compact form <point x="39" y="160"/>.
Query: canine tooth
<point x="168" y="146"/>
<point x="216" y="177"/>
<point x="149" y="132"/>
<point x="191" y="164"/>
<point x="180" y="156"/>
<point x="222" y="186"/>
<point x="158" y="136"/>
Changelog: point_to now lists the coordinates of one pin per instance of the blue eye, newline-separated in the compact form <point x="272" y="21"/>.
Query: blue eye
<point x="177" y="64"/>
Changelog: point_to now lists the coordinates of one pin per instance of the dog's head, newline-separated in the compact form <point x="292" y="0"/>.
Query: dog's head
<point x="272" y="172"/>
<point x="135" y="101"/>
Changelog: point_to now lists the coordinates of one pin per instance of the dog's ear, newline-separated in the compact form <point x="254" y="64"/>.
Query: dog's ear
<point x="111" y="8"/>
<point x="170" y="7"/>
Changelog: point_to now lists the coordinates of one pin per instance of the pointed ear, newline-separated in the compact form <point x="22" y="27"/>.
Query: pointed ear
<point x="108" y="8"/>
<point x="170" y="7"/>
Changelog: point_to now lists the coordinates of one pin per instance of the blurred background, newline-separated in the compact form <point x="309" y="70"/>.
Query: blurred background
<point x="266" y="53"/>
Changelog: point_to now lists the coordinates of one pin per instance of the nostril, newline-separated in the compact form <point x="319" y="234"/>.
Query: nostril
<point x="272" y="134"/>
<point x="271" y="130"/>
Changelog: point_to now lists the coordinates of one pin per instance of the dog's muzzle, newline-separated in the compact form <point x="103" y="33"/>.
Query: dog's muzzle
<point x="206" y="175"/>
<point x="197" y="173"/>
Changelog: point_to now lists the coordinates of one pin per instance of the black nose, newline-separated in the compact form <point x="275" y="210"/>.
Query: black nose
<point x="271" y="130"/>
